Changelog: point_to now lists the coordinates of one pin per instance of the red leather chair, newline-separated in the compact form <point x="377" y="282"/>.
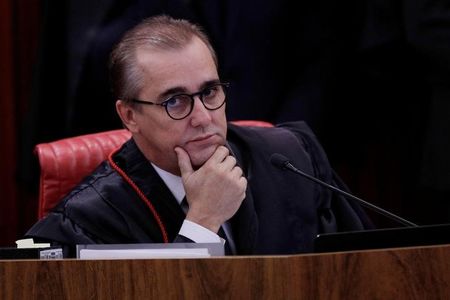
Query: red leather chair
<point x="64" y="163"/>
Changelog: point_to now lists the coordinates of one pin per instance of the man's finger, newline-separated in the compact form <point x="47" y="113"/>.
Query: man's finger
<point x="219" y="155"/>
<point x="229" y="162"/>
<point x="184" y="162"/>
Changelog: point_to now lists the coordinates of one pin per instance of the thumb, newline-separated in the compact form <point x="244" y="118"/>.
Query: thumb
<point x="184" y="162"/>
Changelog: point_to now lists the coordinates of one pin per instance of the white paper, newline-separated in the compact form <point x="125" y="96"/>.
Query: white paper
<point x="29" y="243"/>
<point x="143" y="253"/>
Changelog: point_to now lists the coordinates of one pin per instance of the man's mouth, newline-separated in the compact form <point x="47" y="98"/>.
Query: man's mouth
<point x="202" y="138"/>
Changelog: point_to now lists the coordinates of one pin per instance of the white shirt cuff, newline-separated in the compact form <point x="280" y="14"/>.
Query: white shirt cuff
<point x="199" y="234"/>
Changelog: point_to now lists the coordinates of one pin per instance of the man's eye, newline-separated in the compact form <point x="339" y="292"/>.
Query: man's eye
<point x="210" y="91"/>
<point x="173" y="102"/>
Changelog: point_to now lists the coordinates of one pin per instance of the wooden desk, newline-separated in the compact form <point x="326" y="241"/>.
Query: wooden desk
<point x="406" y="273"/>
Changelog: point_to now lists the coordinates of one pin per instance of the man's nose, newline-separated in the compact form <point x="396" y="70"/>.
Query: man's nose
<point x="200" y="115"/>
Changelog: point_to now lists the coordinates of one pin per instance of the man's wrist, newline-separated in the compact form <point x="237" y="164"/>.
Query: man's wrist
<point x="207" y="223"/>
<point x="198" y="233"/>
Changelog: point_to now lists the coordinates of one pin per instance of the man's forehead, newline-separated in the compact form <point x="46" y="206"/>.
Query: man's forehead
<point x="187" y="69"/>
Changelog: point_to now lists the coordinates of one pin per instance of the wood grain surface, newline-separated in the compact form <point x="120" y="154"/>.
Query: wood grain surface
<point x="407" y="273"/>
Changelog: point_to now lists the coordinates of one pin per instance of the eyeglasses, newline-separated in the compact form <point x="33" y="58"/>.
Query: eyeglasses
<point x="180" y="106"/>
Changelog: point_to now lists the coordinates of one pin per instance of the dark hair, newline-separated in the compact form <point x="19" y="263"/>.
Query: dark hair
<point x="158" y="33"/>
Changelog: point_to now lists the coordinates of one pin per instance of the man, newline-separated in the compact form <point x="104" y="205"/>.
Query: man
<point x="188" y="176"/>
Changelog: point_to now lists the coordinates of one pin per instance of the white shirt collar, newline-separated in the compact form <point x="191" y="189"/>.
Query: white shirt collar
<point x="173" y="182"/>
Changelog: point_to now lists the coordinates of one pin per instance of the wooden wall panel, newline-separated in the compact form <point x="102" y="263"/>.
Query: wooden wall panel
<point x="19" y="36"/>
<point x="8" y="146"/>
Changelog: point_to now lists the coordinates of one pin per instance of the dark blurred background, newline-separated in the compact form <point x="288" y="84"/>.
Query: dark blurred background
<point x="371" y="77"/>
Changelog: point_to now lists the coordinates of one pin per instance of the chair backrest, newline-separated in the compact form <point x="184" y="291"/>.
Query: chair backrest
<point x="64" y="163"/>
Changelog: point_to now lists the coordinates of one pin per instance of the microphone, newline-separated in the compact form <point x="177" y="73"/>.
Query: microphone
<point x="282" y="162"/>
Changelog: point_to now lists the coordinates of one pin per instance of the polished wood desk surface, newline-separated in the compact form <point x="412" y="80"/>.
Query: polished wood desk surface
<point x="403" y="273"/>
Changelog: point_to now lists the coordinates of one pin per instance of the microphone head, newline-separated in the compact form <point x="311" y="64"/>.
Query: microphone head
<point x="279" y="160"/>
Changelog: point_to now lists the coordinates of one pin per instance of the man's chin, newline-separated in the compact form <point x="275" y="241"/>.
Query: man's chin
<point x="197" y="163"/>
<point x="199" y="159"/>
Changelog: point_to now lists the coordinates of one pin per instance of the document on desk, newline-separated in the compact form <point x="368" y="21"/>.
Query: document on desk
<point x="149" y="251"/>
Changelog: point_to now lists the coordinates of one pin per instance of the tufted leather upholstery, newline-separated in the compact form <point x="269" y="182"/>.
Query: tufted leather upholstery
<point x="256" y="123"/>
<point x="64" y="163"/>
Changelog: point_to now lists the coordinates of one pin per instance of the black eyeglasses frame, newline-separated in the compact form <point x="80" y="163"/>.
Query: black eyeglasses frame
<point x="164" y="103"/>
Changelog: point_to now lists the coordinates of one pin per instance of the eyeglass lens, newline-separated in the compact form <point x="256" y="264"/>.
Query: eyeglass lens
<point x="180" y="106"/>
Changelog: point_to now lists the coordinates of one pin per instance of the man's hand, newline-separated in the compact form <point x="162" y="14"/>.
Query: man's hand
<point x="215" y="191"/>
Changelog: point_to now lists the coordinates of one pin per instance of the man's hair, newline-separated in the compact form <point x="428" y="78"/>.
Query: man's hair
<point x="155" y="33"/>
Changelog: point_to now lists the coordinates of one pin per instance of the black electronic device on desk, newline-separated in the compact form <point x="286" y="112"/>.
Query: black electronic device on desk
<point x="383" y="238"/>
<point x="31" y="253"/>
<point x="28" y="249"/>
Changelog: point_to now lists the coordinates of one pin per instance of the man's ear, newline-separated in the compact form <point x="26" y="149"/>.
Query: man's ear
<point x="128" y="115"/>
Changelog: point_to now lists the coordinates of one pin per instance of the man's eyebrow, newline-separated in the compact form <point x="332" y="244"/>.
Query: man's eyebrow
<point x="171" y="92"/>
<point x="182" y="90"/>
<point x="209" y="83"/>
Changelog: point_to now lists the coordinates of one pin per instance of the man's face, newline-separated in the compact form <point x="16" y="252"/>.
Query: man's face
<point x="167" y="73"/>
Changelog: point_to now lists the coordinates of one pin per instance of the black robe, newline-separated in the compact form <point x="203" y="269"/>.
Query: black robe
<point x="281" y="214"/>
